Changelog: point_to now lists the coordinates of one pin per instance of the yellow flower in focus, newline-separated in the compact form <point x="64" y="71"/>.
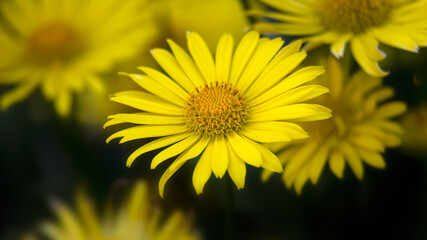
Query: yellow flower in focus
<point x="414" y="124"/>
<point x="220" y="108"/>
<point x="363" y="23"/>
<point x="136" y="219"/>
<point x="63" y="46"/>
<point x="358" y="132"/>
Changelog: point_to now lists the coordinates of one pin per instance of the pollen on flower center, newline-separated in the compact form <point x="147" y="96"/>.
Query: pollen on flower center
<point x="55" y="40"/>
<point x="354" y="16"/>
<point x="216" y="109"/>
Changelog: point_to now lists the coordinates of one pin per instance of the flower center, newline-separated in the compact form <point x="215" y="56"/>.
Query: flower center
<point x="54" y="41"/>
<point x="216" y="109"/>
<point x="354" y="16"/>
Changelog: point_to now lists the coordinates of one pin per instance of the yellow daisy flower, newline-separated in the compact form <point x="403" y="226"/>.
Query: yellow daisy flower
<point x="363" y="23"/>
<point x="359" y="131"/>
<point x="63" y="46"/>
<point x="136" y="219"/>
<point x="220" y="108"/>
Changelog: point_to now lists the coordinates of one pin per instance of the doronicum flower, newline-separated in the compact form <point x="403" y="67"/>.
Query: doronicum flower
<point x="135" y="219"/>
<point x="220" y="108"/>
<point x="363" y="23"/>
<point x="358" y="132"/>
<point x="63" y="46"/>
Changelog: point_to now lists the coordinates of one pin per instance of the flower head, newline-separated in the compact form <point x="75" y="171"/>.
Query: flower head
<point x="135" y="219"/>
<point x="363" y="23"/>
<point x="63" y="46"/>
<point x="358" y="132"/>
<point x="220" y="109"/>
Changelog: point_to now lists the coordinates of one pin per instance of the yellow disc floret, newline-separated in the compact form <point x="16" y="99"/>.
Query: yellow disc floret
<point x="216" y="109"/>
<point x="54" y="41"/>
<point x="354" y="16"/>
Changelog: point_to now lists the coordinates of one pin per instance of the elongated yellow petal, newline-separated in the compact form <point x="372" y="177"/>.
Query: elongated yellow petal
<point x="146" y="131"/>
<point x="296" y="95"/>
<point x="269" y="159"/>
<point x="156" y="144"/>
<point x="318" y="162"/>
<point x="168" y="62"/>
<point x="220" y="160"/>
<point x="265" y="51"/>
<point x="245" y="150"/>
<point x="166" y="82"/>
<point x="190" y="153"/>
<point x="372" y="158"/>
<point x="300" y="112"/>
<point x="156" y="88"/>
<point x="202" y="56"/>
<point x="174" y="150"/>
<point x="223" y="57"/>
<point x="294" y="80"/>
<point x="282" y="130"/>
<point x="187" y="64"/>
<point x="147" y="102"/>
<point x="203" y="169"/>
<point x="236" y="168"/>
<point x="352" y="159"/>
<point x="243" y="54"/>
<point x="369" y="65"/>
<point x="145" y="118"/>
<point x="337" y="163"/>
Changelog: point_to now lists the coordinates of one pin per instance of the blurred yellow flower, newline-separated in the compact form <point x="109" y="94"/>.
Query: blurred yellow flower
<point x="359" y="131"/>
<point x="63" y="46"/>
<point x="220" y="107"/>
<point x="363" y="23"/>
<point x="209" y="18"/>
<point x="414" y="124"/>
<point x="136" y="219"/>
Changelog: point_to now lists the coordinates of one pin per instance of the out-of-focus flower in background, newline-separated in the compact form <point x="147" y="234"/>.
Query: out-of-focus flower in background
<point x="136" y="218"/>
<point x="363" y="23"/>
<point x="414" y="124"/>
<point x="220" y="109"/>
<point x="63" y="46"/>
<point x="210" y="18"/>
<point x="359" y="131"/>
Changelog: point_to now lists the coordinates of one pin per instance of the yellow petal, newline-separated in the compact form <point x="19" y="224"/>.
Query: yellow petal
<point x="220" y="160"/>
<point x="174" y="150"/>
<point x="394" y="37"/>
<point x="300" y="112"/>
<point x="269" y="159"/>
<point x="191" y="153"/>
<point x="242" y="55"/>
<point x="269" y="79"/>
<point x="265" y="51"/>
<point x="353" y="159"/>
<point x="202" y="56"/>
<point x="372" y="158"/>
<point x="318" y="162"/>
<point x="203" y="169"/>
<point x="236" y="168"/>
<point x="274" y="131"/>
<point x="156" y="144"/>
<point x="17" y="94"/>
<point x="360" y="55"/>
<point x="187" y="64"/>
<point x="145" y="118"/>
<point x="223" y="57"/>
<point x="294" y="80"/>
<point x="146" y="131"/>
<point x="337" y="163"/>
<point x="156" y="88"/>
<point x="168" y="62"/>
<point x="166" y="82"/>
<point x="245" y="150"/>
<point x="147" y="102"/>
